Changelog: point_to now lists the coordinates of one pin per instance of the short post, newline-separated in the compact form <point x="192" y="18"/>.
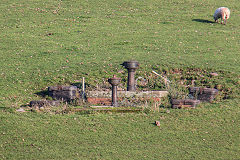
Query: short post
<point x="131" y="66"/>
<point x="83" y="89"/>
<point x="114" y="81"/>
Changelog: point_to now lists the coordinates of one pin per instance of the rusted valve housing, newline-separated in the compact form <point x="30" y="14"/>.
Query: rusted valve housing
<point x="114" y="81"/>
<point x="131" y="66"/>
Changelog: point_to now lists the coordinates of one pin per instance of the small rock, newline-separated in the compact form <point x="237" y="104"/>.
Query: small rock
<point x="157" y="123"/>
<point x="41" y="108"/>
<point x="49" y="34"/>
<point x="20" y="110"/>
<point x="214" y="74"/>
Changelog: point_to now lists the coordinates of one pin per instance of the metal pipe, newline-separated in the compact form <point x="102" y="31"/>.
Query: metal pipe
<point x="131" y="66"/>
<point x="114" y="96"/>
<point x="114" y="82"/>
<point x="131" y="80"/>
<point x="83" y="89"/>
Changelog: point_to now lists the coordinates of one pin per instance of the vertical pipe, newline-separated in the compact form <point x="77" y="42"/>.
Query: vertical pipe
<point x="131" y="80"/>
<point x="83" y="89"/>
<point x="114" y="82"/>
<point x="114" y="96"/>
<point x="131" y="66"/>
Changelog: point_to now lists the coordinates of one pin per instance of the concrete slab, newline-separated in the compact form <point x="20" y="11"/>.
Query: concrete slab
<point x="128" y="94"/>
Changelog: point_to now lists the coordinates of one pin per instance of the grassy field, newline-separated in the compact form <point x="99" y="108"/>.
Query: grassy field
<point x="59" y="42"/>
<point x="184" y="134"/>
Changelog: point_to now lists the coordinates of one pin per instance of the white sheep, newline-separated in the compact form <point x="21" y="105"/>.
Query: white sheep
<point x="223" y="13"/>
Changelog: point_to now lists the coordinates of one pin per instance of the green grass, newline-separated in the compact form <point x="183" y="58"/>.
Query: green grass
<point x="59" y="42"/>
<point x="205" y="133"/>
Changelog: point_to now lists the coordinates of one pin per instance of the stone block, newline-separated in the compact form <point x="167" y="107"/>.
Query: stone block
<point x="203" y="94"/>
<point x="182" y="103"/>
<point x="65" y="93"/>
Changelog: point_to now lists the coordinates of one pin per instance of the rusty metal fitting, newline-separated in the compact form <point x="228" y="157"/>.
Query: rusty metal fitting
<point x="114" y="81"/>
<point x="131" y="66"/>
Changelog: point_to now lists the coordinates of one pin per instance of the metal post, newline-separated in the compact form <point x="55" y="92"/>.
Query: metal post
<point x="131" y="80"/>
<point x="114" y="96"/>
<point x="83" y="89"/>
<point x="131" y="66"/>
<point x="114" y="82"/>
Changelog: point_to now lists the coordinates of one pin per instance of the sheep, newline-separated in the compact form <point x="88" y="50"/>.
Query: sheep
<point x="223" y="13"/>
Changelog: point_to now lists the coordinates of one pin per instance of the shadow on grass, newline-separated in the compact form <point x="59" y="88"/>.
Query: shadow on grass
<point x="203" y="21"/>
<point x="153" y="124"/>
<point x="2" y="108"/>
<point x="24" y="105"/>
<point x="42" y="93"/>
<point x="79" y="85"/>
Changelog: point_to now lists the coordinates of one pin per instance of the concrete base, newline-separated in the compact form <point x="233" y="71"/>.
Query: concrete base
<point x="128" y="94"/>
<point x="104" y="97"/>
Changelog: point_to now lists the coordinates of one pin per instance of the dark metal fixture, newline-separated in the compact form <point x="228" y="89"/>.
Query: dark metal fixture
<point x="131" y="66"/>
<point x="114" y="81"/>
